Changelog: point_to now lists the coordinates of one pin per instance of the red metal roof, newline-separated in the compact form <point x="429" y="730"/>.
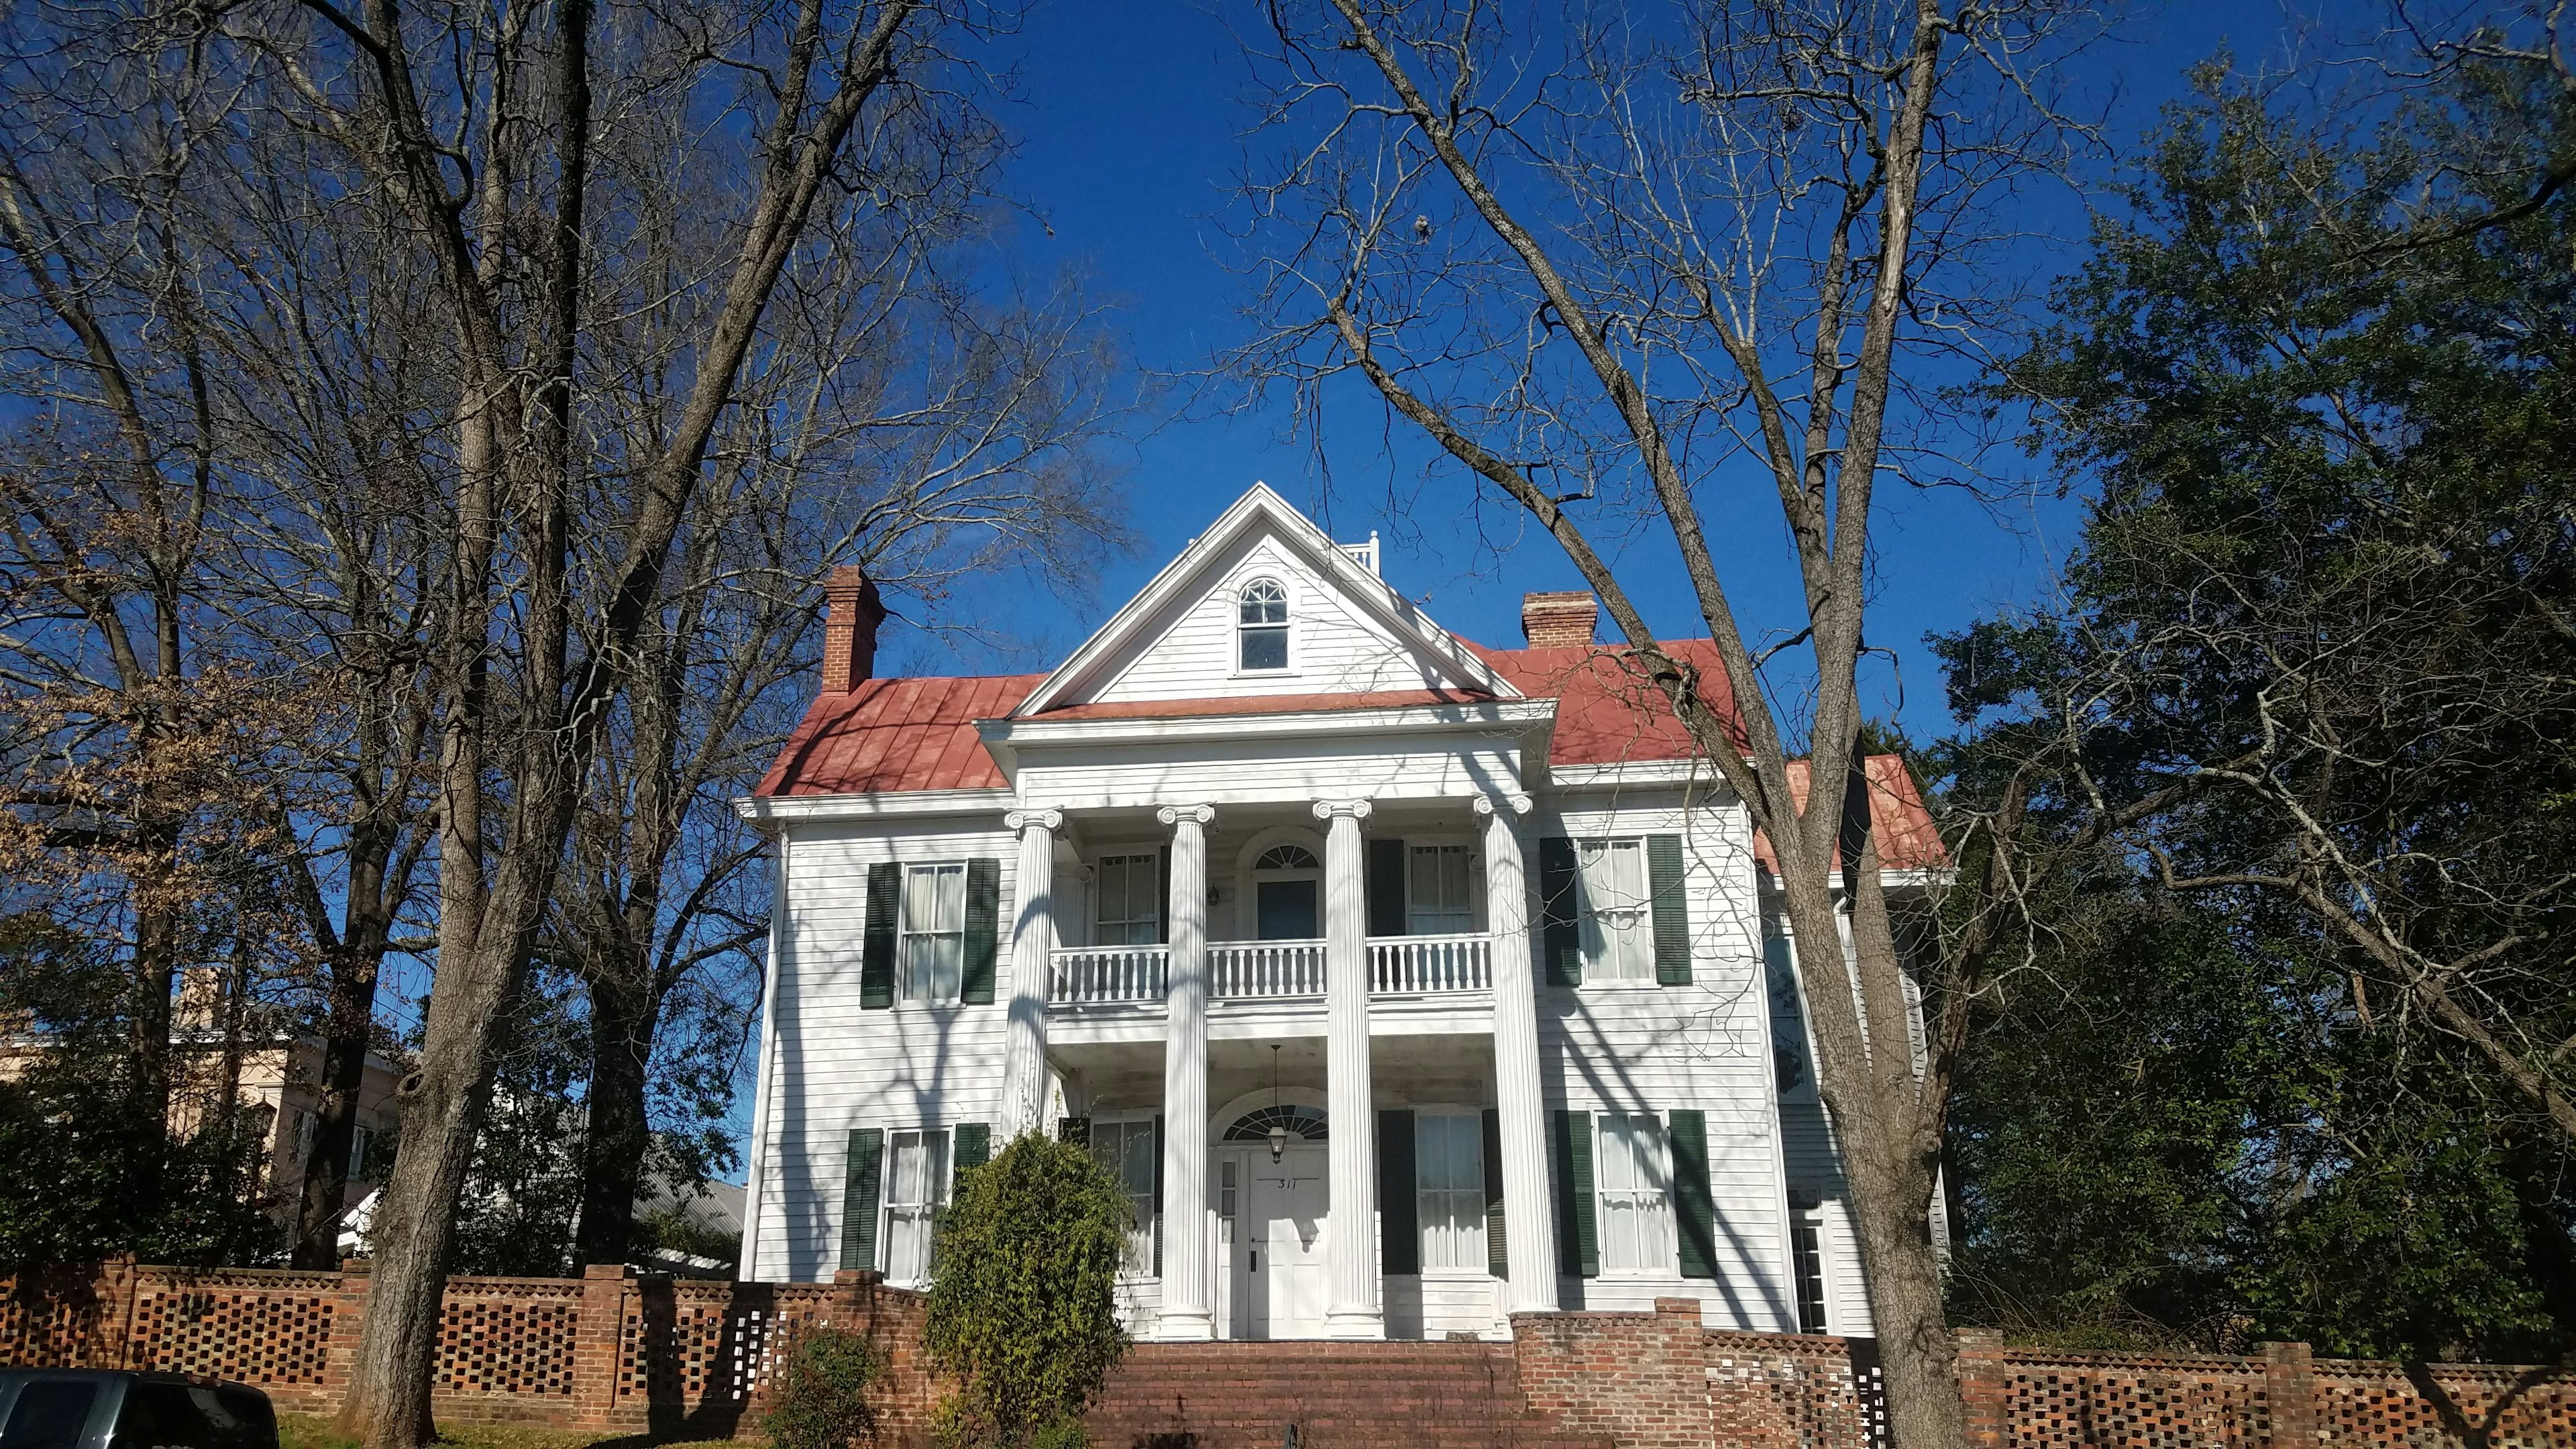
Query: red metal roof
<point x="1608" y="711"/>
<point x="919" y="734"/>
<point x="1907" y="838"/>
<point x="1263" y="704"/>
<point x="897" y="734"/>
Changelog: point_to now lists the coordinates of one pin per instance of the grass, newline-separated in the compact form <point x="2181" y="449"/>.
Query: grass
<point x="300" y="1431"/>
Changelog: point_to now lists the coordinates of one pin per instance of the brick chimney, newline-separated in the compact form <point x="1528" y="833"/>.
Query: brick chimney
<point x="852" y="612"/>
<point x="1559" y="620"/>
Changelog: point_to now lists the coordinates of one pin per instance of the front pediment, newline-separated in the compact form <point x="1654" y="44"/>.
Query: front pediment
<point x="1264" y="605"/>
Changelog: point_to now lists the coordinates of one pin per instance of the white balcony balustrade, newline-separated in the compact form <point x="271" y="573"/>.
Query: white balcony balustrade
<point x="1429" y="965"/>
<point x="1265" y="970"/>
<point x="1086" y="975"/>
<point x="1275" y="970"/>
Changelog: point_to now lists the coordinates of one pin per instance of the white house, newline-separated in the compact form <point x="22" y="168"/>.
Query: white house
<point x="1405" y="983"/>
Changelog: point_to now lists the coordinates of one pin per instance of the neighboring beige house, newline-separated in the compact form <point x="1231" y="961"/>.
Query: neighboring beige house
<point x="278" y="1076"/>
<point x="282" y="1077"/>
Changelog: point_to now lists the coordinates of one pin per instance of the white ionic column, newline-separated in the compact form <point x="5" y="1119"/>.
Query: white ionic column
<point x="1350" y="1251"/>
<point x="1189" y="1235"/>
<point x="1527" y="1237"/>
<point x="1024" y="1069"/>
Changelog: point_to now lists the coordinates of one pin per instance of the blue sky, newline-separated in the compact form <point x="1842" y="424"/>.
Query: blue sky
<point x="1129" y="128"/>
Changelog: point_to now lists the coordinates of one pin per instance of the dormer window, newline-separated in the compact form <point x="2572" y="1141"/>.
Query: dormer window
<point x="1262" y="627"/>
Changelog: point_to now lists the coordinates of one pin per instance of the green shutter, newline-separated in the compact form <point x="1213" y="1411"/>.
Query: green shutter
<point x="983" y="930"/>
<point x="1163" y="896"/>
<point x="1399" y="1219"/>
<point x="1498" y="1258"/>
<point x="862" y="1165"/>
<point x="1694" y="1204"/>
<point x="1386" y="898"/>
<point x="876" y="955"/>
<point x="1158" y="1192"/>
<point x="974" y="1148"/>
<point x="1559" y="940"/>
<point x="1076" y="1130"/>
<point x="1671" y="910"/>
<point x="1578" y="1240"/>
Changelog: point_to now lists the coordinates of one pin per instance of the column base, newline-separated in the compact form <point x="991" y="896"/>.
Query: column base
<point x="1184" y="1327"/>
<point x="1355" y="1326"/>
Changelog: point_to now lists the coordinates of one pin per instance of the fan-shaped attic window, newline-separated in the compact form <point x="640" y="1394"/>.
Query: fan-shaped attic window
<point x="1261" y="612"/>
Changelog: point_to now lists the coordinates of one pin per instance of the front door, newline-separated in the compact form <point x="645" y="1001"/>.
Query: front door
<point x="1281" y="1253"/>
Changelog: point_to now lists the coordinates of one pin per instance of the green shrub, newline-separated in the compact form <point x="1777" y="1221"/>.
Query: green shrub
<point x="1023" y="1296"/>
<point x="822" y="1397"/>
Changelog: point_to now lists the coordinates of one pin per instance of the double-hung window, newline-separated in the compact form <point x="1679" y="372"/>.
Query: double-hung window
<point x="1617" y="920"/>
<point x="934" y="931"/>
<point x="1130" y="899"/>
<point x="359" y="1140"/>
<point x="1127" y="1149"/>
<point x="1261" y="629"/>
<point x="1436" y="898"/>
<point x="916" y="1187"/>
<point x="1449" y="1188"/>
<point x="1636" y="1235"/>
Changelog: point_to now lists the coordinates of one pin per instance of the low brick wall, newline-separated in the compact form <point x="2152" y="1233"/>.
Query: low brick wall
<point x="623" y="1353"/>
<point x="614" y="1351"/>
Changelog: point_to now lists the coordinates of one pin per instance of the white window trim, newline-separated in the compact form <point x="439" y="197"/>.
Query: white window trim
<point x="1475" y="879"/>
<point x="1815" y="1217"/>
<point x="1670" y="1265"/>
<point x="1235" y="627"/>
<point x="1098" y="866"/>
<point x="886" y="1205"/>
<point x="1593" y="980"/>
<point x="1472" y="1272"/>
<point x="1129" y="1117"/>
<point x="903" y="932"/>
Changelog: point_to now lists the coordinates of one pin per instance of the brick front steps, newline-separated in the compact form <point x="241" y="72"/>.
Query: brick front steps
<point x="1238" y="1395"/>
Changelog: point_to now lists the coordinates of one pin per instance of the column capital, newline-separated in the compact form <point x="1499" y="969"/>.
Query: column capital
<point x="1487" y="806"/>
<point x="1047" y="820"/>
<point x="1195" y="814"/>
<point x="1335" y="809"/>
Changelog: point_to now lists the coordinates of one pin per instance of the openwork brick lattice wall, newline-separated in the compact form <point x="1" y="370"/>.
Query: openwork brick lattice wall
<point x="614" y="1350"/>
<point x="627" y="1353"/>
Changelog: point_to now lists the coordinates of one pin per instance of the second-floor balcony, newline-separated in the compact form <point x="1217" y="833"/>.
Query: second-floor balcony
<point x="1407" y="966"/>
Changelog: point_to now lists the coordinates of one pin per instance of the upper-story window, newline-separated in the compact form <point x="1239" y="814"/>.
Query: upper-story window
<point x="1130" y="911"/>
<point x="1261" y="627"/>
<point x="934" y="931"/>
<point x="1436" y="897"/>
<point x="1618" y="924"/>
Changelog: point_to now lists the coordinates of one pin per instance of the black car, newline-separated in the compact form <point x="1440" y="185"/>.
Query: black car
<point x="112" y="1409"/>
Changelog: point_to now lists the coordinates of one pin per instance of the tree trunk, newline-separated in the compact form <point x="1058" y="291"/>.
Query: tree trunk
<point x="344" y="1072"/>
<point x="613" y="1150"/>
<point x="1891" y="1200"/>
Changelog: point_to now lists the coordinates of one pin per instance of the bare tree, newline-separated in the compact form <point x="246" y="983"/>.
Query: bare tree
<point x="901" y="421"/>
<point x="464" y="142"/>
<point x="1640" y="255"/>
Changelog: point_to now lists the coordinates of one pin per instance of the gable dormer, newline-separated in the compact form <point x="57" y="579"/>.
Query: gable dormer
<point x="1265" y="604"/>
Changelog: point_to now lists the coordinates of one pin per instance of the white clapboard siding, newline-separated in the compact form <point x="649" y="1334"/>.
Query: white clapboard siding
<point x="840" y="1067"/>
<point x="1333" y="647"/>
<point x="1391" y="765"/>
<point x="1703" y="1046"/>
<point x="1806" y="1141"/>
